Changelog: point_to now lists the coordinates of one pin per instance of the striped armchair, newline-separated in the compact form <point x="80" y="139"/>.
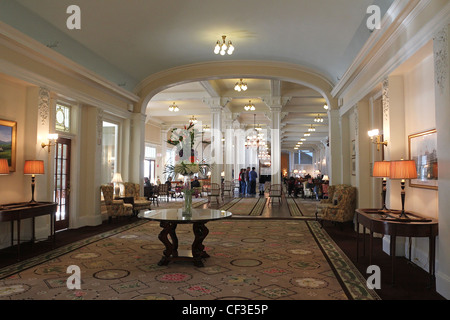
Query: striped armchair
<point x="115" y="208"/>
<point x="340" y="205"/>
<point x="139" y="203"/>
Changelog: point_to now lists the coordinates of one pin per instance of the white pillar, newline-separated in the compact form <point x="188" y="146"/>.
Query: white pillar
<point x="216" y="105"/>
<point x="442" y="95"/>
<point x="229" y="150"/>
<point x="275" y="112"/>
<point x="335" y="163"/>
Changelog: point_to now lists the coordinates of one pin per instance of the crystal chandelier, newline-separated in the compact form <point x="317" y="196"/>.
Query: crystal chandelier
<point x="240" y="86"/>
<point x="223" y="47"/>
<point x="249" y="106"/>
<point x="174" y="108"/>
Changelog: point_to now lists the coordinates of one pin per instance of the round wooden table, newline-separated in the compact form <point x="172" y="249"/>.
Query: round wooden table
<point x="169" y="220"/>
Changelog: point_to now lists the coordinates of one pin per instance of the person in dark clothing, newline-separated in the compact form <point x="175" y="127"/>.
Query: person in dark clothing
<point x="291" y="185"/>
<point x="195" y="183"/>
<point x="252" y="175"/>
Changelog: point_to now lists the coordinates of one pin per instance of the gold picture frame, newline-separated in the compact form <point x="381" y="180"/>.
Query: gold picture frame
<point x="8" y="136"/>
<point x="423" y="150"/>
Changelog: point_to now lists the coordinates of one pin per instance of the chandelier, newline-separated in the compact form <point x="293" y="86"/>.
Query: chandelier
<point x="249" y="106"/>
<point x="223" y="47"/>
<point x="311" y="129"/>
<point x="174" y="108"/>
<point x="193" y="120"/>
<point x="253" y="140"/>
<point x="318" y="119"/>
<point x="325" y="106"/>
<point x="240" y="86"/>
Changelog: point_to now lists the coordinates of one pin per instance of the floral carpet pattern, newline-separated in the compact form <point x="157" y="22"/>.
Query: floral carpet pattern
<point x="249" y="259"/>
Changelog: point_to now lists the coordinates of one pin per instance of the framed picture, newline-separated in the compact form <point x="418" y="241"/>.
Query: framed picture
<point x="423" y="150"/>
<point x="8" y="132"/>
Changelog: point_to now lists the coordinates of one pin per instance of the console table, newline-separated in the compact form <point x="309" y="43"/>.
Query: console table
<point x="389" y="223"/>
<point x="26" y="210"/>
<point x="170" y="218"/>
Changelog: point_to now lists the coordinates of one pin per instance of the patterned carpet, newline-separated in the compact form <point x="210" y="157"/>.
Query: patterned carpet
<point x="249" y="259"/>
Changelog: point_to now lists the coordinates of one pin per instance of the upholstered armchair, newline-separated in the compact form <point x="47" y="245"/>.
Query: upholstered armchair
<point x="115" y="208"/>
<point x="139" y="203"/>
<point x="340" y="205"/>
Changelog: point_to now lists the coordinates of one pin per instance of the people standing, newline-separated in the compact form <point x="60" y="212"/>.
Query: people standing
<point x="252" y="178"/>
<point x="247" y="181"/>
<point x="242" y="181"/>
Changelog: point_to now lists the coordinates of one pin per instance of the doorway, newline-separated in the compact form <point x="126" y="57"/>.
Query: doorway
<point x="61" y="192"/>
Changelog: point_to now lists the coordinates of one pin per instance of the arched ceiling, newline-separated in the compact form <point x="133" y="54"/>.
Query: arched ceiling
<point x="128" y="41"/>
<point x="302" y="105"/>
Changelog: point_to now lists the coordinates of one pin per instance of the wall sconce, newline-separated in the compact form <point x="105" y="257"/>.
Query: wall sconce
<point x="377" y="138"/>
<point x="52" y="137"/>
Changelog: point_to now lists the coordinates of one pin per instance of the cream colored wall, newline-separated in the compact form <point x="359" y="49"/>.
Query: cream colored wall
<point x="16" y="187"/>
<point x="420" y="117"/>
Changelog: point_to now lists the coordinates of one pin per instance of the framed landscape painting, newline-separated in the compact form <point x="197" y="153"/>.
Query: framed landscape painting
<point x="8" y="132"/>
<point x="423" y="150"/>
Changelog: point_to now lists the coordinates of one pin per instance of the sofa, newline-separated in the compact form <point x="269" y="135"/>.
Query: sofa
<point x="340" y="205"/>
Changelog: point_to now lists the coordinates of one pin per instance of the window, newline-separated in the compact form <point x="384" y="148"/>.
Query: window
<point x="150" y="164"/>
<point x="303" y="157"/>
<point x="62" y="122"/>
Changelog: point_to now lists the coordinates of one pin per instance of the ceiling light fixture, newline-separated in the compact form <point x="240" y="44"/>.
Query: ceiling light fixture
<point x="223" y="47"/>
<point x="174" y="108"/>
<point x="311" y="129"/>
<point x="240" y="86"/>
<point x="325" y="106"/>
<point x="193" y="120"/>
<point x="318" y="119"/>
<point x="249" y="106"/>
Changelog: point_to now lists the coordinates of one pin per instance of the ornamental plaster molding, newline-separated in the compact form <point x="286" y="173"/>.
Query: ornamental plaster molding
<point x="44" y="105"/>
<point x="441" y="58"/>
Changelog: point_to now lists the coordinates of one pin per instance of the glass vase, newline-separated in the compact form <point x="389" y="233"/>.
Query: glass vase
<point x="187" y="206"/>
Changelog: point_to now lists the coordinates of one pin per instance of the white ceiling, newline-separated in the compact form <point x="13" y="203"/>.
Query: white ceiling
<point x="136" y="38"/>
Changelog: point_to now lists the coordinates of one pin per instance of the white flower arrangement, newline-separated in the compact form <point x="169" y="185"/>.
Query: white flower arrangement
<point x="186" y="169"/>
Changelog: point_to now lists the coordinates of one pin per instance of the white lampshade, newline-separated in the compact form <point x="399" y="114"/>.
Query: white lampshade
<point x="117" y="178"/>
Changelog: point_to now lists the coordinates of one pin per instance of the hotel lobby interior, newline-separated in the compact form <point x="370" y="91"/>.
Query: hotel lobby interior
<point x="339" y="109"/>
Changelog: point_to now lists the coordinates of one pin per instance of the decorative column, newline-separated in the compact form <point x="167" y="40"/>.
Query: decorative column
<point x="164" y="132"/>
<point x="137" y="149"/>
<point x="275" y="112"/>
<point x="441" y="49"/>
<point x="216" y="105"/>
<point x="335" y="163"/>
<point x="229" y="150"/>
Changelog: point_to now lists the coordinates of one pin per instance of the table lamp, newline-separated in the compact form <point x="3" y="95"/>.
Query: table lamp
<point x="4" y="167"/>
<point x="33" y="168"/>
<point x="381" y="169"/>
<point x="117" y="180"/>
<point x="403" y="169"/>
<point x="325" y="178"/>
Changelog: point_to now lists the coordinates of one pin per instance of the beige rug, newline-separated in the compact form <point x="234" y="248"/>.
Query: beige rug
<point x="259" y="260"/>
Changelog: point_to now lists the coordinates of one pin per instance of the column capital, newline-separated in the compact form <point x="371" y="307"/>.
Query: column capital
<point x="216" y="104"/>
<point x="276" y="102"/>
